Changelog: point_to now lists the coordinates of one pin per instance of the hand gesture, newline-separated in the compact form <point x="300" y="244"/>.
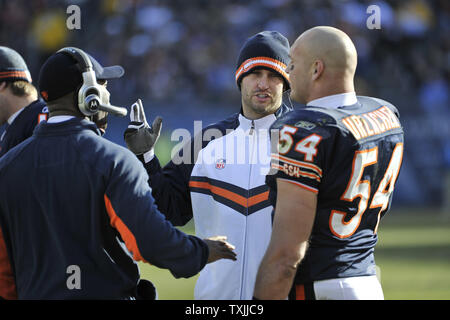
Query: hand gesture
<point x="139" y="136"/>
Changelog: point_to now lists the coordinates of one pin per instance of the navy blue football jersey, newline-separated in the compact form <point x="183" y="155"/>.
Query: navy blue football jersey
<point x="350" y="157"/>
<point x="23" y="125"/>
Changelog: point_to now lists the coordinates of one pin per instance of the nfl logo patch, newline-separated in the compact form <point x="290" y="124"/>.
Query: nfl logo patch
<point x="220" y="164"/>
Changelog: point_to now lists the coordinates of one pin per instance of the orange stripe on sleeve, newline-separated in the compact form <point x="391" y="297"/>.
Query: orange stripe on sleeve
<point x="301" y="185"/>
<point x="127" y="235"/>
<point x="7" y="281"/>
<point x="298" y="163"/>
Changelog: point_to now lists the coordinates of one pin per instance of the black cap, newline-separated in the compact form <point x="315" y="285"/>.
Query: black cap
<point x="61" y="74"/>
<point x="12" y="66"/>
<point x="267" y="49"/>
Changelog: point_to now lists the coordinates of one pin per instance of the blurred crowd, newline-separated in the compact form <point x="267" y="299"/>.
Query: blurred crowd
<point x="184" y="52"/>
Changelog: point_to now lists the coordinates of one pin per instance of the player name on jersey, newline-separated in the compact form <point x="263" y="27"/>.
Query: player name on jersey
<point x="371" y="123"/>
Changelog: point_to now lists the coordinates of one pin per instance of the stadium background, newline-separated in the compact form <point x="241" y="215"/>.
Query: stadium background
<point x="180" y="58"/>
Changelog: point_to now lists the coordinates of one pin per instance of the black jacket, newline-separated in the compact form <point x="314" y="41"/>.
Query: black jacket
<point x="72" y="200"/>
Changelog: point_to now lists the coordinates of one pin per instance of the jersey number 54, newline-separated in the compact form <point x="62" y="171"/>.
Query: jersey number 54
<point x="361" y="188"/>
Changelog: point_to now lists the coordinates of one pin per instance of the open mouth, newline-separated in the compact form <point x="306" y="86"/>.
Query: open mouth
<point x="262" y="96"/>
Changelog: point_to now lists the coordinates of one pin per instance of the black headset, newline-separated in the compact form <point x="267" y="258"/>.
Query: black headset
<point x="90" y="93"/>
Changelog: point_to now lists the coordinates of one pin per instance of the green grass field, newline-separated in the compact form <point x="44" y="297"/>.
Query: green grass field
<point x="413" y="256"/>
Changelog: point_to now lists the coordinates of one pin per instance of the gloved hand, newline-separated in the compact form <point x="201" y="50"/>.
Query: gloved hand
<point x="139" y="136"/>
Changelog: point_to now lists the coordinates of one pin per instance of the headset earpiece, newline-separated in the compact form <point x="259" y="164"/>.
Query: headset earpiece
<point x="91" y="94"/>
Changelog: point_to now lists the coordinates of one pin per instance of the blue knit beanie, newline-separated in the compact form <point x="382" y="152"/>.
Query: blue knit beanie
<point x="267" y="49"/>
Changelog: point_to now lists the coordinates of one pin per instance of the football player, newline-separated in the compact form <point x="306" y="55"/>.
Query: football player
<point x="220" y="192"/>
<point x="337" y="163"/>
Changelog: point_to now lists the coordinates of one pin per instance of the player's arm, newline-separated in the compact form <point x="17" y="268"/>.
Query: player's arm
<point x="170" y="185"/>
<point x="298" y="163"/>
<point x="146" y="232"/>
<point x="293" y="222"/>
<point x="170" y="188"/>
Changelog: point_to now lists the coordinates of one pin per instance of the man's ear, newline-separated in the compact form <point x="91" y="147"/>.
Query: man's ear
<point x="318" y="68"/>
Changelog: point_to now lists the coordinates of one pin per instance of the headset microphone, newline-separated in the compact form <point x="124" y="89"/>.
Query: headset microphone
<point x="118" y="111"/>
<point x="95" y="105"/>
<point x="91" y="93"/>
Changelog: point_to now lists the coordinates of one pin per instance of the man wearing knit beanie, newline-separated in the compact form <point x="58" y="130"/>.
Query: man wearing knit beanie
<point x="20" y="108"/>
<point x="224" y="195"/>
<point x="20" y="112"/>
<point x="267" y="49"/>
<point x="261" y="68"/>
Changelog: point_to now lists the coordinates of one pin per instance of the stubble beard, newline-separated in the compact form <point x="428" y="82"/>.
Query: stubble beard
<point x="261" y="109"/>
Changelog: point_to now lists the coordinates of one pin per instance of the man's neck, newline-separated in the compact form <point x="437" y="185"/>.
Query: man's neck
<point x="335" y="100"/>
<point x="330" y="87"/>
<point x="18" y="103"/>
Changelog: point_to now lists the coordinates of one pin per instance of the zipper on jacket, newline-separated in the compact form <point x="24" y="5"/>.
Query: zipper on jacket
<point x="253" y="146"/>
<point x="252" y="128"/>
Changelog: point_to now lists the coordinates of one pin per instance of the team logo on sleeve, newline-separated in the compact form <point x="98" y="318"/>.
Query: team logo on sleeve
<point x="305" y="125"/>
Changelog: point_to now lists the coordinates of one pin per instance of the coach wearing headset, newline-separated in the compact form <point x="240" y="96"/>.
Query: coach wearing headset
<point x="76" y="212"/>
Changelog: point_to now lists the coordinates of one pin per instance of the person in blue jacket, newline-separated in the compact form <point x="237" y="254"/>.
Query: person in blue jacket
<point x="76" y="211"/>
<point x="21" y="110"/>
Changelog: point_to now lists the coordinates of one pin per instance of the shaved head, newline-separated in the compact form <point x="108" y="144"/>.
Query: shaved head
<point x="325" y="59"/>
<point x="332" y="46"/>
